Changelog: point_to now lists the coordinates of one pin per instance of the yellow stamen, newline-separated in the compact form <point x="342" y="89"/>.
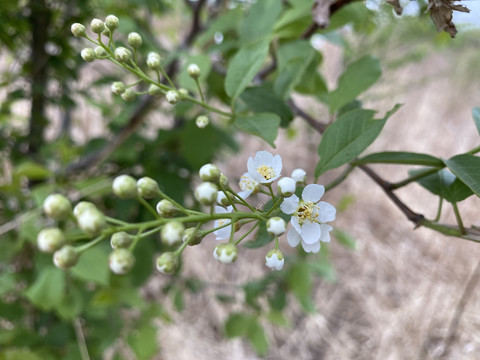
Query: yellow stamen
<point x="266" y="172"/>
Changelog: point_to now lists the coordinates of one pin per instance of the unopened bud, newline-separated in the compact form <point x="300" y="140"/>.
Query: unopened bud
<point x="78" y="30"/>
<point x="183" y="93"/>
<point x="111" y="21"/>
<point x="129" y="94"/>
<point x="202" y="121"/>
<point x="172" y="97"/>
<point x="192" y="236"/>
<point x="50" y="240"/>
<point x="172" y="233"/>
<point x="225" y="253"/>
<point x="165" y="208"/>
<point x="222" y="199"/>
<point x="123" y="55"/>
<point x="276" y="226"/>
<point x="57" y="207"/>
<point x="299" y="176"/>
<point x="147" y="188"/>
<point x="274" y="259"/>
<point x="106" y="32"/>
<point x="286" y="187"/>
<point x="193" y="71"/>
<point x="154" y="90"/>
<point x="91" y="221"/>
<point x="206" y="193"/>
<point x="125" y="187"/>
<point x="121" y="261"/>
<point x="210" y="172"/>
<point x="66" y="257"/>
<point x="223" y="181"/>
<point x="100" y="52"/>
<point x="97" y="26"/>
<point x="118" y="87"/>
<point x="134" y="40"/>
<point x="88" y="54"/>
<point x="167" y="263"/>
<point x="154" y="61"/>
<point x="121" y="239"/>
<point x="81" y="207"/>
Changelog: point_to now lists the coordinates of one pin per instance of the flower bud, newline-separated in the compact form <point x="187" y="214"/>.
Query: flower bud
<point x="50" y="240"/>
<point x="172" y="233"/>
<point x="91" y="221"/>
<point x="125" y="187"/>
<point x="165" y="208"/>
<point x="66" y="257"/>
<point x="276" y="226"/>
<point x="154" y="61"/>
<point x="299" y="176"/>
<point x="111" y="21"/>
<point x="106" y="32"/>
<point x="202" y="121"/>
<point x="172" y="97"/>
<point x="154" y="90"/>
<point x="97" y="26"/>
<point x="134" y="40"/>
<point x="147" y="188"/>
<point x="129" y="94"/>
<point x="81" y="207"/>
<point x="183" y="93"/>
<point x="206" y="193"/>
<point x="100" y="52"/>
<point x="123" y="55"/>
<point x="88" y="54"/>
<point x="274" y="259"/>
<point x="192" y="236"/>
<point x="118" y="87"/>
<point x="167" y="263"/>
<point x="286" y="187"/>
<point x="225" y="253"/>
<point x="121" y="239"/>
<point x="193" y="71"/>
<point x="209" y="172"/>
<point x="78" y="30"/>
<point x="223" y="181"/>
<point x="121" y="261"/>
<point x="57" y="207"/>
<point x="222" y="199"/>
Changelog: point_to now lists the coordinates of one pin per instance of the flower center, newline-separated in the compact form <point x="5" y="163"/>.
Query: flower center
<point x="247" y="183"/>
<point x="307" y="212"/>
<point x="266" y="171"/>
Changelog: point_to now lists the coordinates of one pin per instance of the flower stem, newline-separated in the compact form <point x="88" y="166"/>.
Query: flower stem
<point x="459" y="218"/>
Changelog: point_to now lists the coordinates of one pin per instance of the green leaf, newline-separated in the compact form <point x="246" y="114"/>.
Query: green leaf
<point x="144" y="342"/>
<point x="467" y="169"/>
<point x="312" y="83"/>
<point x="347" y="137"/>
<point x="244" y="66"/>
<point x="299" y="280"/>
<point x="476" y="117"/>
<point x="357" y="78"/>
<point x="229" y="20"/>
<point x="258" y="339"/>
<point x="263" y="125"/>
<point x="19" y="354"/>
<point x="205" y="65"/>
<point x="263" y="99"/>
<point x="237" y="324"/>
<point x="344" y="239"/>
<point x="48" y="290"/>
<point x="399" y="157"/>
<point x="294" y="21"/>
<point x="93" y="266"/>
<point x="260" y="20"/>
<point x="277" y="318"/>
<point x="32" y="171"/>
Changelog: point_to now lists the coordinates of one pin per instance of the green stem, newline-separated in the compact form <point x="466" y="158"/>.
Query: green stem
<point x="439" y="210"/>
<point x="91" y="244"/>
<point x="199" y="90"/>
<point x="82" y="344"/>
<point x="459" y="218"/>
<point x="115" y="221"/>
<point x="136" y="240"/>
<point x="414" y="178"/>
<point x="165" y="75"/>
<point x="247" y="233"/>
<point x="148" y="206"/>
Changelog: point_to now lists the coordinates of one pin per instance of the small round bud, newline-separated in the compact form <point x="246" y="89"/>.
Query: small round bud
<point x="299" y="175"/>
<point x="172" y="97"/>
<point x="66" y="257"/>
<point x="57" y="207"/>
<point x="129" y="94"/>
<point x="121" y="239"/>
<point x="125" y="187"/>
<point x="121" y="261"/>
<point x="147" y="188"/>
<point x="123" y="55"/>
<point x="118" y="87"/>
<point x="167" y="263"/>
<point x="222" y="199"/>
<point x="154" y="90"/>
<point x="78" y="30"/>
<point x="192" y="236"/>
<point x="154" y="61"/>
<point x="91" y="221"/>
<point x="111" y="21"/>
<point x="100" y="52"/>
<point x="210" y="172"/>
<point x="193" y="71"/>
<point x="206" y="193"/>
<point x="50" y="240"/>
<point x="286" y="187"/>
<point x="81" y="207"/>
<point x="276" y="226"/>
<point x="166" y="208"/>
<point x="225" y="253"/>
<point x="88" y="54"/>
<point x="274" y="259"/>
<point x="106" y="32"/>
<point x="172" y="233"/>
<point x="134" y="40"/>
<point x="202" y="121"/>
<point x="223" y="181"/>
<point x="183" y="93"/>
<point x="97" y="26"/>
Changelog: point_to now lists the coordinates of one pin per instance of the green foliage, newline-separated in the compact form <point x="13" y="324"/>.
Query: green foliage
<point x="401" y="157"/>
<point x="467" y="168"/>
<point x="264" y="125"/>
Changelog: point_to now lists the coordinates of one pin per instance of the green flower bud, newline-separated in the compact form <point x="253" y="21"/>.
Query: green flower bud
<point x="193" y="71"/>
<point x="210" y="172"/>
<point x="129" y="94"/>
<point x="154" y="90"/>
<point x="100" y="52"/>
<point x="81" y="207"/>
<point x="172" y="233"/>
<point x="134" y="40"/>
<point x="154" y="61"/>
<point x="183" y="93"/>
<point x="202" y="121"/>
<point x="88" y="54"/>
<point x="97" y="26"/>
<point x="147" y="188"/>
<point x="66" y="257"/>
<point x="225" y="253"/>
<point x="50" y="240"/>
<point x="223" y="181"/>
<point x="121" y="239"/>
<point x="206" y="193"/>
<point x="172" y="97"/>
<point x="121" y="261"/>
<point x="91" y="221"/>
<point x="106" y="32"/>
<point x="123" y="55"/>
<point x="167" y="263"/>
<point x="57" y="207"/>
<point x="125" y="187"/>
<point x="192" y="236"/>
<point x="165" y="208"/>
<point x="111" y="22"/>
<point x="78" y="30"/>
<point x="118" y="87"/>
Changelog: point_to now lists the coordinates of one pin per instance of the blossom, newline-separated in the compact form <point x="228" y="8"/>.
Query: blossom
<point x="248" y="186"/>
<point x="223" y="233"/>
<point x="286" y="187"/>
<point x="309" y="216"/>
<point x="265" y="168"/>
<point x="274" y="259"/>
<point x="276" y="226"/>
<point x="299" y="175"/>
<point x="225" y="253"/>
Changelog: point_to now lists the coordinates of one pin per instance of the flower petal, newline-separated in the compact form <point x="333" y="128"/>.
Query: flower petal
<point x="296" y="224"/>
<point x="277" y="165"/>
<point x="326" y="212"/>
<point x="223" y="233"/>
<point x="310" y="232"/>
<point x="252" y="170"/>
<point x="290" y="204"/>
<point x="311" y="248"/>
<point x="325" y="237"/>
<point x="264" y="158"/>
<point x="293" y="238"/>
<point x="313" y="193"/>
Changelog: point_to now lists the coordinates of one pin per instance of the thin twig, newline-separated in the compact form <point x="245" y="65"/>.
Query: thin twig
<point x="82" y="345"/>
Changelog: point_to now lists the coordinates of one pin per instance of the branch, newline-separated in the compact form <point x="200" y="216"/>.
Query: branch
<point x="196" y="25"/>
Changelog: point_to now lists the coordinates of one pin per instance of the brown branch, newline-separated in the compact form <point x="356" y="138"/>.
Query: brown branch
<point x="196" y="24"/>
<point x="317" y="125"/>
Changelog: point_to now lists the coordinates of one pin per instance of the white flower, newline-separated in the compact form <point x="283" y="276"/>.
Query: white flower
<point x="276" y="226"/>
<point x="286" y="186"/>
<point x="247" y="185"/>
<point x="299" y="175"/>
<point x="223" y="233"/>
<point x="274" y="259"/>
<point x="172" y="97"/>
<point x="202" y="121"/>
<point x="265" y="168"/>
<point x="206" y="193"/>
<point x="309" y="216"/>
<point x="225" y="253"/>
